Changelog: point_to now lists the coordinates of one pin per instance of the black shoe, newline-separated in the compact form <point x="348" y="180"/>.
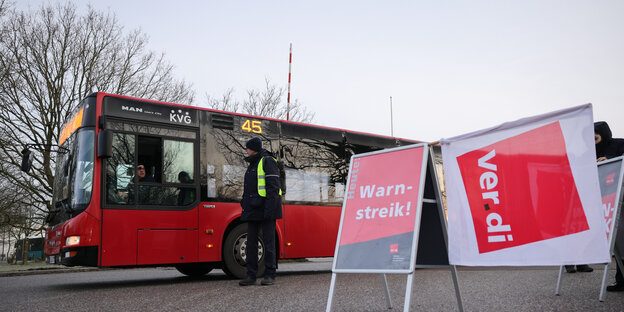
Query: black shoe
<point x="616" y="287"/>
<point x="248" y="281"/>
<point x="570" y="269"/>
<point x="584" y="268"/>
<point x="267" y="280"/>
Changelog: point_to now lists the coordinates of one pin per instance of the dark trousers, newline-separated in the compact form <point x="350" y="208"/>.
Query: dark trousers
<point x="618" y="275"/>
<point x="268" y="237"/>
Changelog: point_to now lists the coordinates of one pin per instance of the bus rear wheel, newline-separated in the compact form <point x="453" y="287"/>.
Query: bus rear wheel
<point x="194" y="269"/>
<point x="235" y="253"/>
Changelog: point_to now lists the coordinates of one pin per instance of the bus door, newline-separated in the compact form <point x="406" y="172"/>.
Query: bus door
<point x="149" y="213"/>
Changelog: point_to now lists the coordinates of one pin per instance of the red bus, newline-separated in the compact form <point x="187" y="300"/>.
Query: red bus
<point x="187" y="213"/>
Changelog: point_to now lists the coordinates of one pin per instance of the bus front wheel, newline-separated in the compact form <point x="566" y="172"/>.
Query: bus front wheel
<point x="235" y="253"/>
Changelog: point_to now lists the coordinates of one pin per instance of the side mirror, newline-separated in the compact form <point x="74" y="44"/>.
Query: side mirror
<point x="105" y="144"/>
<point x="27" y="159"/>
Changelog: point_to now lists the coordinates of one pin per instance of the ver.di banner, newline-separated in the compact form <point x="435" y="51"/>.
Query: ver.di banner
<point x="380" y="211"/>
<point x="526" y="193"/>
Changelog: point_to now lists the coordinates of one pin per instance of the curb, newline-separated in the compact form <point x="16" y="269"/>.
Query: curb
<point x="45" y="271"/>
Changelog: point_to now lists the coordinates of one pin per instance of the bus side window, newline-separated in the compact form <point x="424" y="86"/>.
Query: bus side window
<point x="170" y="179"/>
<point x="119" y="170"/>
<point x="178" y="160"/>
<point x="314" y="170"/>
<point x="150" y="156"/>
<point x="178" y="167"/>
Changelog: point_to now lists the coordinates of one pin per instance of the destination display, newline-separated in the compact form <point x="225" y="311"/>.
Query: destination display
<point x="153" y="112"/>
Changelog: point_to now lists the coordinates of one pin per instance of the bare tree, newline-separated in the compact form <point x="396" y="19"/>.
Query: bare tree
<point x="4" y="6"/>
<point x="50" y="59"/>
<point x="267" y="102"/>
<point x="225" y="103"/>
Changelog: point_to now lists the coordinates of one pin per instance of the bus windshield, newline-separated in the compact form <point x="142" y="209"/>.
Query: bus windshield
<point x="73" y="180"/>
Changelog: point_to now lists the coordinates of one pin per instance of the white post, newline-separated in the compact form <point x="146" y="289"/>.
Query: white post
<point x="289" y="73"/>
<point x="408" y="292"/>
<point x="559" y="281"/>
<point x="331" y="293"/>
<point x="604" y="283"/>
<point x="391" y="119"/>
<point x="460" y="305"/>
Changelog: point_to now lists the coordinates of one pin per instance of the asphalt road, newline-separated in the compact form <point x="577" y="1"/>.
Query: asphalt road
<point x="305" y="287"/>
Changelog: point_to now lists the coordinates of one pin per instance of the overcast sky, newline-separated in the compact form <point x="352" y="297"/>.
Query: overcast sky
<point x="451" y="67"/>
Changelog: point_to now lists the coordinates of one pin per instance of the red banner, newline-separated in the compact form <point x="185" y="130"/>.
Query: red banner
<point x="520" y="189"/>
<point x="382" y="196"/>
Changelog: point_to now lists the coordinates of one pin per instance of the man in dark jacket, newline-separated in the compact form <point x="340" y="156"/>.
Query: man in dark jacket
<point x="608" y="147"/>
<point x="262" y="205"/>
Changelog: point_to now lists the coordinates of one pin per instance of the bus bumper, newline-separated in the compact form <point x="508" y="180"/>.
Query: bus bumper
<point x="84" y="256"/>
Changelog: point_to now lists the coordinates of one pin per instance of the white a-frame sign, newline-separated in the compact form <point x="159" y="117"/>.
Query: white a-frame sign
<point x="392" y="199"/>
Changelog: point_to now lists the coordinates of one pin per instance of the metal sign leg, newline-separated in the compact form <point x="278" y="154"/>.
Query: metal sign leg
<point x="559" y="281"/>
<point x="460" y="305"/>
<point x="385" y="284"/>
<point x="408" y="292"/>
<point x="604" y="283"/>
<point x="331" y="293"/>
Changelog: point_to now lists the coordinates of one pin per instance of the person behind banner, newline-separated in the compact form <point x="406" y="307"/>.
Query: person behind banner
<point x="606" y="146"/>
<point x="262" y="205"/>
<point x="609" y="147"/>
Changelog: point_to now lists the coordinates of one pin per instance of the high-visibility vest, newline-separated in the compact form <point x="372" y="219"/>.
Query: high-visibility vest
<point x="262" y="180"/>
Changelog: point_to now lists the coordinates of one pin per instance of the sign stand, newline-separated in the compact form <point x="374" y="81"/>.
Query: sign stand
<point x="385" y="283"/>
<point x="429" y="222"/>
<point x="610" y="173"/>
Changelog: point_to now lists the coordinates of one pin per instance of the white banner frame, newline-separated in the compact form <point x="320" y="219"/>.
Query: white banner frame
<point x="575" y="133"/>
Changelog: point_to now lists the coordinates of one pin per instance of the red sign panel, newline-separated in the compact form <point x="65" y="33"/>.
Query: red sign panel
<point x="381" y="200"/>
<point x="608" y="176"/>
<point x="520" y="189"/>
<point x="608" y="206"/>
<point x="380" y="210"/>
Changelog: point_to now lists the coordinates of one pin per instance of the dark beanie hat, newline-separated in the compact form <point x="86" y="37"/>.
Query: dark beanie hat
<point x="254" y="144"/>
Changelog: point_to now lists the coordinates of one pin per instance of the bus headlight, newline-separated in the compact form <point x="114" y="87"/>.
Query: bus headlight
<point x="72" y="240"/>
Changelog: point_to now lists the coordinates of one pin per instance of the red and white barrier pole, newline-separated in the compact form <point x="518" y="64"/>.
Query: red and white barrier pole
<point x="289" y="71"/>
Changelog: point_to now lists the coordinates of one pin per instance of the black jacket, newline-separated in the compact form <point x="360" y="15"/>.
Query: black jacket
<point x="608" y="147"/>
<point x="255" y="207"/>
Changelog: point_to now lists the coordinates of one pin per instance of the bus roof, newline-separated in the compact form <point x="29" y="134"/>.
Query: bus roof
<point x="103" y="94"/>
